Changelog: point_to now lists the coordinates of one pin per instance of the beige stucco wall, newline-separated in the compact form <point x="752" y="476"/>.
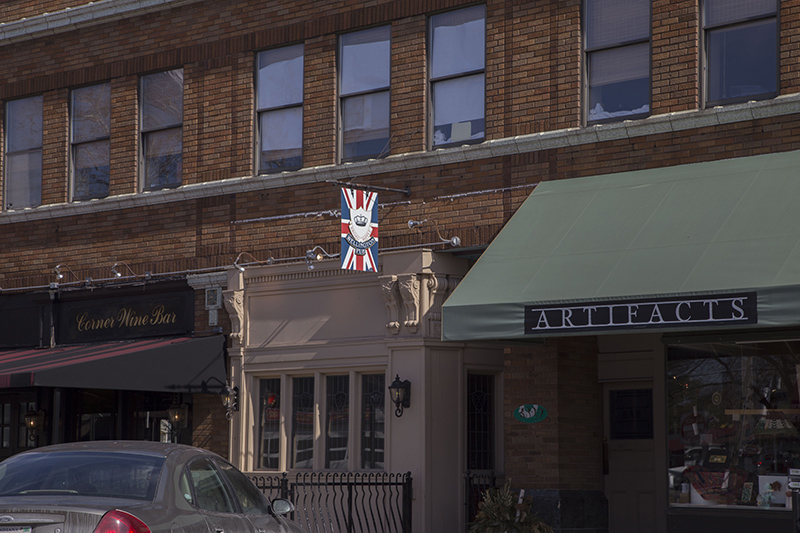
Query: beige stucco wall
<point x="298" y="321"/>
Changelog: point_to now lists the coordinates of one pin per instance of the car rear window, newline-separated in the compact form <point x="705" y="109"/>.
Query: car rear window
<point x="96" y="474"/>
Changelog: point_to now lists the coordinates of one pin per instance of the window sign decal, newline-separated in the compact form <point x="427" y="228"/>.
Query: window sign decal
<point x="359" y="230"/>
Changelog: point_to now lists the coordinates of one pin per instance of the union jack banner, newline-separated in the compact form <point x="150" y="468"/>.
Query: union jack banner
<point x="359" y="230"/>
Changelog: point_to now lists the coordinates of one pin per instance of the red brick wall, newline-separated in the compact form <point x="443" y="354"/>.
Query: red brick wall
<point x="564" y="451"/>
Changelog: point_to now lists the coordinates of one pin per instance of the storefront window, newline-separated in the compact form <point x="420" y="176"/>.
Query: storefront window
<point x="270" y="424"/>
<point x="733" y="413"/>
<point x="373" y="387"/>
<point x="303" y="423"/>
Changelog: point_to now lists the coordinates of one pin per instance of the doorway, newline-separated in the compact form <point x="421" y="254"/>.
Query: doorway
<point x="629" y="456"/>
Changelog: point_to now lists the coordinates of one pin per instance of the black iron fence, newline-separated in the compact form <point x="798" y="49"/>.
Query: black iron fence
<point x="344" y="502"/>
<point x="476" y="484"/>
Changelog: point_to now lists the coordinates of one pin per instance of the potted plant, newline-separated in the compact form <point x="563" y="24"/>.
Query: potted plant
<point x="502" y="511"/>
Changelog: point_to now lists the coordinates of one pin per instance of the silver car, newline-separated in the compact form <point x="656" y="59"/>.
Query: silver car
<point x="133" y="487"/>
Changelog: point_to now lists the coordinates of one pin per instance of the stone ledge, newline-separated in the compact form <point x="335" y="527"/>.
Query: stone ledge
<point x="627" y="129"/>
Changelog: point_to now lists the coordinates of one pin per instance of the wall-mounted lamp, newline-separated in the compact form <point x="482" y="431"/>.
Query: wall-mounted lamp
<point x="453" y="241"/>
<point x="59" y="271"/>
<point x="230" y="400"/>
<point x="240" y="266"/>
<point x="317" y="253"/>
<point x="34" y="421"/>
<point x="400" y="392"/>
<point x="178" y="415"/>
<point x="117" y="273"/>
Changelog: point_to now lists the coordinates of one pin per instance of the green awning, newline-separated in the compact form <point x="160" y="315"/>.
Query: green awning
<point x="598" y="254"/>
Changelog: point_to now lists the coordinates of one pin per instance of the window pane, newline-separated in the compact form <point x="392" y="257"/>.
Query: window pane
<point x="458" y="109"/>
<point x="458" y="41"/>
<point x="337" y="421"/>
<point x="733" y="412"/>
<point x="373" y="389"/>
<point x="480" y="422"/>
<point x="366" y="125"/>
<point x="365" y="60"/>
<point x="163" y="162"/>
<point x="162" y="100"/>
<point x="91" y="113"/>
<point x="270" y="420"/>
<point x="250" y="498"/>
<point x="280" y="77"/>
<point x="24" y="179"/>
<point x="742" y="61"/>
<point x="303" y="423"/>
<point x="24" y="120"/>
<point x="91" y="170"/>
<point x="209" y="488"/>
<point x="726" y="11"/>
<point x="619" y="82"/>
<point x="281" y="139"/>
<point x="613" y="22"/>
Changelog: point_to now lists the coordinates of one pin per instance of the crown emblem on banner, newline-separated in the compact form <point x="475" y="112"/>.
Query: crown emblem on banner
<point x="360" y="220"/>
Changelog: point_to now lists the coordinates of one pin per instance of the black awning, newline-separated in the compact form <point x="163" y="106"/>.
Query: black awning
<point x="177" y="364"/>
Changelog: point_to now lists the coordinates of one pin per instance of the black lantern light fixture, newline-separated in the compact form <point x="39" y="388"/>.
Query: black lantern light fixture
<point x="400" y="392"/>
<point x="230" y="400"/>
<point x="34" y="421"/>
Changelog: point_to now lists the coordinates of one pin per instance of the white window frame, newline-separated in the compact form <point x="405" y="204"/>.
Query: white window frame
<point x="350" y="95"/>
<point x="459" y="134"/>
<point x="708" y="28"/>
<point x="354" y="459"/>
<point x="78" y="144"/>
<point x="146" y="132"/>
<point x="34" y="152"/>
<point x="281" y="110"/>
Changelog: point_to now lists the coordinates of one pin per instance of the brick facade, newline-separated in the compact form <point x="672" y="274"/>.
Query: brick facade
<point x="535" y="78"/>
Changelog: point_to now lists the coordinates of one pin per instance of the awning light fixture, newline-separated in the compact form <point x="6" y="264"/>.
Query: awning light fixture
<point x="240" y="266"/>
<point x="230" y="400"/>
<point x="117" y="273"/>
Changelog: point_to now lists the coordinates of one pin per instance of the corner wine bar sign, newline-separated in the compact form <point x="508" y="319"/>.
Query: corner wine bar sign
<point x="124" y="318"/>
<point x="709" y="311"/>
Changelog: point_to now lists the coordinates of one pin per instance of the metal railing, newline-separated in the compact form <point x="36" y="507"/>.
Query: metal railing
<point x="344" y="502"/>
<point x="475" y="484"/>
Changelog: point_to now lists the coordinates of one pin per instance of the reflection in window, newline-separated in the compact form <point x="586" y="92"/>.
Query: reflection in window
<point x="162" y="129"/>
<point x="617" y="45"/>
<point x="458" y="61"/>
<point x="733" y="411"/>
<point x="91" y="130"/>
<point x="364" y="92"/>
<point x="337" y="421"/>
<point x="280" y="108"/>
<point x="270" y="419"/>
<point x="24" y="153"/>
<point x="373" y="387"/>
<point x="741" y="49"/>
<point x="303" y="422"/>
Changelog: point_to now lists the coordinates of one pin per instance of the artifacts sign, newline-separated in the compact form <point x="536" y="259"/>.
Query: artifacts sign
<point x="708" y="311"/>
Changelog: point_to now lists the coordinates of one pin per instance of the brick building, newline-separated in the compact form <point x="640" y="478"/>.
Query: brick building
<point x="172" y="170"/>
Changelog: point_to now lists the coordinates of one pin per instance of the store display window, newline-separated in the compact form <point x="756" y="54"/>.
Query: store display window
<point x="733" y="413"/>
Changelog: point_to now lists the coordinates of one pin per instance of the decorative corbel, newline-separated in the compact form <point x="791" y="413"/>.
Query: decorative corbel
<point x="234" y="304"/>
<point x="409" y="290"/>
<point x="389" y="289"/>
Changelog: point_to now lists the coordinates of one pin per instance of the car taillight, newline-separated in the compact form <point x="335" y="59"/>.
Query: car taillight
<point x="120" y="522"/>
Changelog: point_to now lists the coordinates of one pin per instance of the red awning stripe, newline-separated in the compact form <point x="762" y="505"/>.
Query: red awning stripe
<point x="10" y="362"/>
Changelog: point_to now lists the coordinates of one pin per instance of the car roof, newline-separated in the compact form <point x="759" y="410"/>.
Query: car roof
<point x="162" y="449"/>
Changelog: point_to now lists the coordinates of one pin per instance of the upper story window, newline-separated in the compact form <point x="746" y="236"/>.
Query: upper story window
<point x="364" y="93"/>
<point x="741" y="45"/>
<point x="90" y="134"/>
<point x="617" y="46"/>
<point x="24" y="153"/>
<point x="162" y="129"/>
<point x="457" y="75"/>
<point x="279" y="104"/>
<point x="319" y="423"/>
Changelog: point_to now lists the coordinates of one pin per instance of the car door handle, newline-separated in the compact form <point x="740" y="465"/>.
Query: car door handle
<point x="219" y="530"/>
